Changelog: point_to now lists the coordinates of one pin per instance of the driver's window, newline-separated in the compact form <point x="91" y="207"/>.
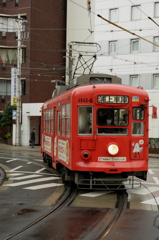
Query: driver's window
<point x="109" y="120"/>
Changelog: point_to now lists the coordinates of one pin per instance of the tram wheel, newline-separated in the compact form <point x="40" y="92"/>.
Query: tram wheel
<point x="45" y="158"/>
<point x="49" y="162"/>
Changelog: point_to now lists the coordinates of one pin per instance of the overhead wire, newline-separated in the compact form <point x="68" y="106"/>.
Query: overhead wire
<point x="144" y="13"/>
<point x="116" y="25"/>
<point x="125" y="30"/>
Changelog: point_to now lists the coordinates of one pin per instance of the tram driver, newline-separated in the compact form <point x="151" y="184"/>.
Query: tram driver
<point x="108" y="122"/>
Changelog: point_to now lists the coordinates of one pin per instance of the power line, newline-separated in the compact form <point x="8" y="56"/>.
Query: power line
<point x="126" y="30"/>
<point x="144" y="13"/>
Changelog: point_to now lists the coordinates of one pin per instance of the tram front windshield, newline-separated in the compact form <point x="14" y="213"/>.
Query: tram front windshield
<point x="109" y="120"/>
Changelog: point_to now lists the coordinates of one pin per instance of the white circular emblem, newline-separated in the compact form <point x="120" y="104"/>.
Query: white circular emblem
<point x="141" y="141"/>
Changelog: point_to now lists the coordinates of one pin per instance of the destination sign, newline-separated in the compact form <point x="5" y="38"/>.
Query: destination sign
<point x="112" y="99"/>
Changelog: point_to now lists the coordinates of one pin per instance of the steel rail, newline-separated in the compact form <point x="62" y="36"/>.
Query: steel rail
<point x="122" y="203"/>
<point x="67" y="197"/>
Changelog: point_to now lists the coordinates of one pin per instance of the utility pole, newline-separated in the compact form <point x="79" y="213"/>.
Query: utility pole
<point x="18" y="122"/>
<point x="70" y="63"/>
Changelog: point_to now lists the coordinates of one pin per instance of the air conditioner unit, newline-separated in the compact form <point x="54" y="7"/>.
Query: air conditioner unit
<point x="3" y="34"/>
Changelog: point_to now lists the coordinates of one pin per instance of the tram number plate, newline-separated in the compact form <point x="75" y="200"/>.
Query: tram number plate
<point x="111" y="159"/>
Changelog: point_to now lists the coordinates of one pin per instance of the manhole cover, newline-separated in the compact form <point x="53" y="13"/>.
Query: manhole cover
<point x="2" y="175"/>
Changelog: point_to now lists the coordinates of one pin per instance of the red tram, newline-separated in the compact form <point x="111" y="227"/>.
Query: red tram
<point x="96" y="130"/>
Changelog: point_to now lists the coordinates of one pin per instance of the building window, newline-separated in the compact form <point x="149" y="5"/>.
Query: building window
<point x="16" y="3"/>
<point x="5" y="87"/>
<point x="23" y="87"/>
<point x="135" y="12"/>
<point x="156" y="40"/>
<point x="156" y="81"/>
<point x="4" y="2"/>
<point x="134" y="81"/>
<point x="9" y="24"/>
<point x="135" y="45"/>
<point x="157" y="9"/>
<point x="114" y="15"/>
<point x="9" y="55"/>
<point x="113" y="47"/>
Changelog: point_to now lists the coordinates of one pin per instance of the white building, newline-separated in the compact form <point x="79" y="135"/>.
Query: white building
<point x="134" y="58"/>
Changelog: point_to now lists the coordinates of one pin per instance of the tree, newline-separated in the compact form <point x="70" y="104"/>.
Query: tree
<point x="6" y="119"/>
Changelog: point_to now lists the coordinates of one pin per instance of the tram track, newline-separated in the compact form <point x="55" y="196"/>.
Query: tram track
<point x="66" y="199"/>
<point x="87" y="234"/>
<point x="122" y="203"/>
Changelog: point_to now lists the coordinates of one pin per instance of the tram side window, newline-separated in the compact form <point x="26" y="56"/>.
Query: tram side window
<point x="85" y="120"/>
<point x="44" y="120"/>
<point x="63" y="119"/>
<point x="59" y="121"/>
<point x="51" y="121"/>
<point x="47" y="121"/>
<point x="68" y="120"/>
<point x="137" y="126"/>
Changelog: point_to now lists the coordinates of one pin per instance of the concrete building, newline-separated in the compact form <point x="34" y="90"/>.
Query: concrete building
<point x="126" y="55"/>
<point x="133" y="57"/>
<point x="43" y="39"/>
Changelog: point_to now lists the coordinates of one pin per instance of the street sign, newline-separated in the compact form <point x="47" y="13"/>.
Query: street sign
<point x="14" y="114"/>
<point x="14" y="101"/>
<point x="14" y="86"/>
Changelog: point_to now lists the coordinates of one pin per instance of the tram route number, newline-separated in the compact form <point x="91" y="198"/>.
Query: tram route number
<point x="85" y="100"/>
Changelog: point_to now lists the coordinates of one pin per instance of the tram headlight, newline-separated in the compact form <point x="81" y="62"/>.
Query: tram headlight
<point x="113" y="149"/>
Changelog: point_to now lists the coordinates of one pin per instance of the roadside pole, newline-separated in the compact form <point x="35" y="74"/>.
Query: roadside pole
<point x="18" y="122"/>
